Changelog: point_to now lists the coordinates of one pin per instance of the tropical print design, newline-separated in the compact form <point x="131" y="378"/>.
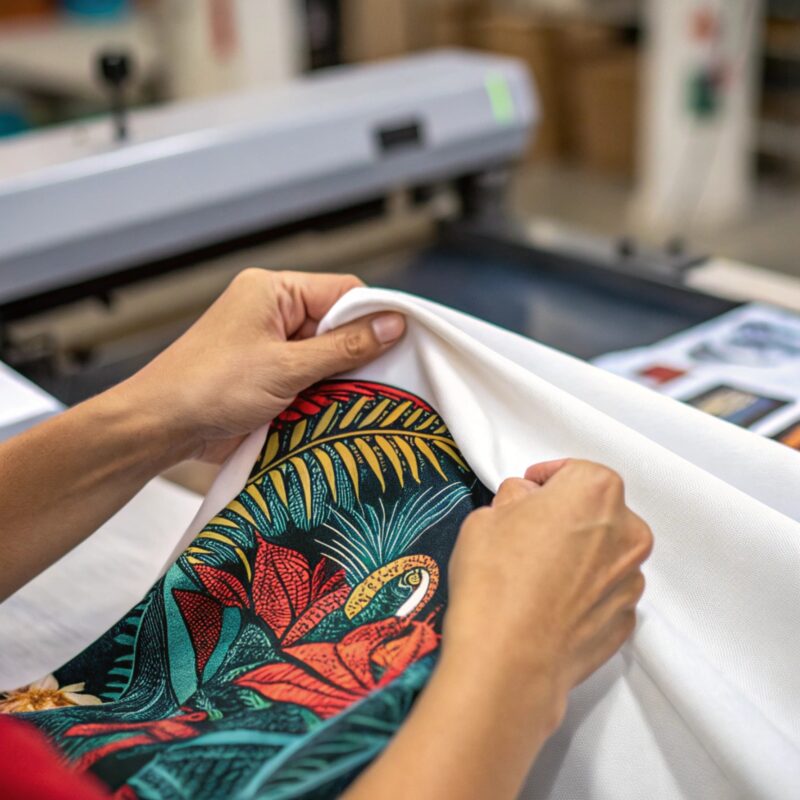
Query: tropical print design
<point x="287" y="644"/>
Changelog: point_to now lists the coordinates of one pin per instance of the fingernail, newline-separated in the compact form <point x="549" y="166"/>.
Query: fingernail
<point x="388" y="327"/>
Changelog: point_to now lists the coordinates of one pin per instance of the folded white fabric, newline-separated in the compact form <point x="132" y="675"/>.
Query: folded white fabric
<point x="704" y="701"/>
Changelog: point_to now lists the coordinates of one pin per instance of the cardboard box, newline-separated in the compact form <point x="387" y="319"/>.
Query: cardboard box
<point x="446" y="23"/>
<point x="586" y="78"/>
<point x="537" y="42"/>
<point x="376" y="29"/>
<point x="603" y="115"/>
<point x="10" y="9"/>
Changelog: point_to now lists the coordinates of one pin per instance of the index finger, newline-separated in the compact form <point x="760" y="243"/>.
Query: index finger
<point x="319" y="291"/>
<point x="307" y="298"/>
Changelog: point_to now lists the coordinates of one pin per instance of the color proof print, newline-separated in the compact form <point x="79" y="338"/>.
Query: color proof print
<point x="658" y="374"/>
<point x="756" y="343"/>
<point x="790" y="436"/>
<point x="736" y="405"/>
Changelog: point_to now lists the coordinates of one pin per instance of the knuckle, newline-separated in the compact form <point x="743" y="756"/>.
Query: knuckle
<point x="505" y="485"/>
<point x="643" y="543"/>
<point x="353" y="343"/>
<point x="603" y="481"/>
<point x="249" y="276"/>
<point x="511" y="486"/>
<point x="612" y="481"/>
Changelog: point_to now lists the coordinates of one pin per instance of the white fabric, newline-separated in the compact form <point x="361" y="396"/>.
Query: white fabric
<point x="704" y="702"/>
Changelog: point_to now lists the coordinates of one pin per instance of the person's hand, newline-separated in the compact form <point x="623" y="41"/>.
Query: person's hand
<point x="250" y="354"/>
<point x="544" y="583"/>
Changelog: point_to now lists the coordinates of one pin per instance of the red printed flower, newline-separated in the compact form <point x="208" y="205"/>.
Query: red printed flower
<point x="327" y="677"/>
<point x="285" y="593"/>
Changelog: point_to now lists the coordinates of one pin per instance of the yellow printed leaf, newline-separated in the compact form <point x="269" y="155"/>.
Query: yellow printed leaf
<point x="373" y="431"/>
<point x="280" y="487"/>
<point x="217" y="537"/>
<point x="422" y="446"/>
<point x="223" y="522"/>
<point x="325" y="420"/>
<point x="239" y="509"/>
<point x="452" y="452"/>
<point x="297" y="433"/>
<point x="353" y="412"/>
<point x="395" y="413"/>
<point x="372" y="461"/>
<point x="259" y="500"/>
<point x="271" y="450"/>
<point x="391" y="455"/>
<point x="327" y="467"/>
<point x="305" y="482"/>
<point x="375" y="413"/>
<point x="428" y="422"/>
<point x="412" y="418"/>
<point x="349" y="464"/>
<point x="411" y="459"/>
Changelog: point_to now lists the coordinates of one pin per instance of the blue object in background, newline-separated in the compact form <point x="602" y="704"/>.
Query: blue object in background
<point x="12" y="115"/>
<point x="97" y="9"/>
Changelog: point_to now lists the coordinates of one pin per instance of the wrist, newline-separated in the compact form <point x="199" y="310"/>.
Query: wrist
<point x="153" y="439"/>
<point x="529" y="691"/>
<point x="530" y="695"/>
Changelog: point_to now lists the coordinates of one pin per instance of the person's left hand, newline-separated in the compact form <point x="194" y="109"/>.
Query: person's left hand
<point x="250" y="354"/>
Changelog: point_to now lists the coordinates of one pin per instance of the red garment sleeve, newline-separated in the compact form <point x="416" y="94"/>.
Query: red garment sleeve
<point x="31" y="769"/>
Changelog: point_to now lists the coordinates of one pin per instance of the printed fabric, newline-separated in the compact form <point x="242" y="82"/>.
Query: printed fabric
<point x="289" y="640"/>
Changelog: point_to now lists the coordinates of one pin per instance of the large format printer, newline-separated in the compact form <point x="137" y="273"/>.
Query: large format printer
<point x="110" y="246"/>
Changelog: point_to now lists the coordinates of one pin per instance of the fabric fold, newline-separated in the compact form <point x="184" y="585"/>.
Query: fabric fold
<point x="705" y="699"/>
<point x="719" y="499"/>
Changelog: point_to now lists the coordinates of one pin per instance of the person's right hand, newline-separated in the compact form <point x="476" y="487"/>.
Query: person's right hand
<point x="545" y="582"/>
<point x="543" y="587"/>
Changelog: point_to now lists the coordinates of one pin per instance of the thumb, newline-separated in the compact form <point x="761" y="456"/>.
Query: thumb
<point x="343" y="349"/>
